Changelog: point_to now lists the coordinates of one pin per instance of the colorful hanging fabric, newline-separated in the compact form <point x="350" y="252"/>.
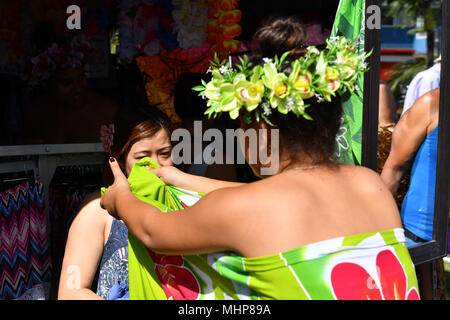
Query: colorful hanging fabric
<point x="366" y="266"/>
<point x="145" y="28"/>
<point x="349" y="22"/>
<point x="24" y="247"/>
<point x="162" y="71"/>
<point x="190" y="20"/>
<point x="162" y="66"/>
<point x="68" y="189"/>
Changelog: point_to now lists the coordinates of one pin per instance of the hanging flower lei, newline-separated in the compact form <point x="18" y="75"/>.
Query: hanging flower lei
<point x="223" y="26"/>
<point x="263" y="89"/>
<point x="71" y="55"/>
<point x="190" y="20"/>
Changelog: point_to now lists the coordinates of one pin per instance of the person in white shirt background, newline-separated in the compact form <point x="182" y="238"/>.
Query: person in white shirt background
<point x="422" y="83"/>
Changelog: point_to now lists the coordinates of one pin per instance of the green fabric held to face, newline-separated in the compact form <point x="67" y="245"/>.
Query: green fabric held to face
<point x="147" y="187"/>
<point x="144" y="283"/>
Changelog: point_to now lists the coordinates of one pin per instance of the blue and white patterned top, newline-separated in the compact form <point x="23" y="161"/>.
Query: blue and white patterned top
<point x="114" y="263"/>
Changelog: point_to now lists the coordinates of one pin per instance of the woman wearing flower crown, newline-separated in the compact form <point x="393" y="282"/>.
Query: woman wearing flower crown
<point x="314" y="229"/>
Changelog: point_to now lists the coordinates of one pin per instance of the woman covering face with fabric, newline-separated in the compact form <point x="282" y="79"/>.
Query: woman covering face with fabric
<point x="313" y="230"/>
<point x="95" y="239"/>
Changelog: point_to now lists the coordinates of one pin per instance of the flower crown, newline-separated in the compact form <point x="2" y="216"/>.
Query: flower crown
<point x="262" y="89"/>
<point x="71" y="55"/>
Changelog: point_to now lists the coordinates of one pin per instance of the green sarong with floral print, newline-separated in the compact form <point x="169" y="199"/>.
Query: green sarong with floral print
<point x="367" y="266"/>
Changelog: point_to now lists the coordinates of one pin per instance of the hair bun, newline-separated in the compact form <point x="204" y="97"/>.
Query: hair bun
<point x="298" y="52"/>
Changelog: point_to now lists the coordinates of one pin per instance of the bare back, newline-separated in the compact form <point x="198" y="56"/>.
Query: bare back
<point x="296" y="208"/>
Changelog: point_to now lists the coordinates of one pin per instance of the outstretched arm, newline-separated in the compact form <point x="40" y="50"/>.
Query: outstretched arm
<point x="386" y="106"/>
<point x="409" y="134"/>
<point x="83" y="252"/>
<point x="178" y="178"/>
<point x="193" y="231"/>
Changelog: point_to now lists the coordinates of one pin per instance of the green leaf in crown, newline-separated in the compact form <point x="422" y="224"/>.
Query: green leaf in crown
<point x="263" y="89"/>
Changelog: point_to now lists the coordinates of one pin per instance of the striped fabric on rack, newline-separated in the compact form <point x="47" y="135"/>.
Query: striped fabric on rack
<point x="24" y="247"/>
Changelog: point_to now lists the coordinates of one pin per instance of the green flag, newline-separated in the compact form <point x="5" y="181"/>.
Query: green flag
<point x="349" y="22"/>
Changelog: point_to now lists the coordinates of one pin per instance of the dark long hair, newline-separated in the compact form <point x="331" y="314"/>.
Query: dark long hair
<point x="316" y="138"/>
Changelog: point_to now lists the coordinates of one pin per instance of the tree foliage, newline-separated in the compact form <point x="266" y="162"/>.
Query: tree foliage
<point x="429" y="10"/>
<point x="403" y="73"/>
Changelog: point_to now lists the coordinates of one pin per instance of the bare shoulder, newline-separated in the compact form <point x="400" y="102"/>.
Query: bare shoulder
<point x="430" y="97"/>
<point x="363" y="177"/>
<point x="385" y="90"/>
<point x="434" y="99"/>
<point x="234" y="200"/>
<point x="90" y="210"/>
<point x="88" y="233"/>
<point x="423" y="114"/>
<point x="284" y="188"/>
<point x="361" y="170"/>
<point x="91" y="199"/>
<point x="426" y="103"/>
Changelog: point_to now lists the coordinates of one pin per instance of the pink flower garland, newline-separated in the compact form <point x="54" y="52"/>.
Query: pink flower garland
<point x="69" y="56"/>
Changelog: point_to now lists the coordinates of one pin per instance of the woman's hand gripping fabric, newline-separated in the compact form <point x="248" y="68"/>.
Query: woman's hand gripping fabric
<point x="170" y="175"/>
<point x="120" y="185"/>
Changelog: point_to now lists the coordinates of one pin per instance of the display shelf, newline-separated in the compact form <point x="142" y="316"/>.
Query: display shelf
<point x="50" y="149"/>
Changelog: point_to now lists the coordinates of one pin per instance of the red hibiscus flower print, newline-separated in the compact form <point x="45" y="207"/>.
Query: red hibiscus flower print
<point x="178" y="282"/>
<point x="184" y="205"/>
<point x="350" y="281"/>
